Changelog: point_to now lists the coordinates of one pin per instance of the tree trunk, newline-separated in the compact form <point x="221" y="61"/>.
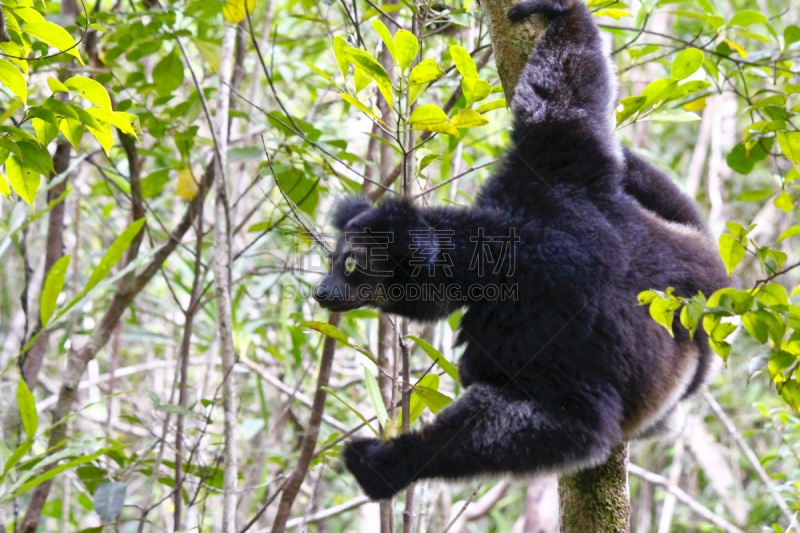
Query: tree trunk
<point x="596" y="500"/>
<point x="593" y="500"/>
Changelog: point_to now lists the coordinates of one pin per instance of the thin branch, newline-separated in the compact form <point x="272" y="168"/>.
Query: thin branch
<point x="292" y="485"/>
<point x="751" y="456"/>
<point x="690" y="502"/>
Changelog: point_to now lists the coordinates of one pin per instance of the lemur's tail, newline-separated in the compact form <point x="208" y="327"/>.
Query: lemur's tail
<point x="548" y="8"/>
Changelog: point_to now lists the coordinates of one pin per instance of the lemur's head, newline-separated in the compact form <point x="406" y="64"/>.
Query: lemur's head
<point x="373" y="252"/>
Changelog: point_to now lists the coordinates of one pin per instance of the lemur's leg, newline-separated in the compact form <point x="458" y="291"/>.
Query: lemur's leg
<point x="656" y="192"/>
<point x="569" y="74"/>
<point x="490" y="430"/>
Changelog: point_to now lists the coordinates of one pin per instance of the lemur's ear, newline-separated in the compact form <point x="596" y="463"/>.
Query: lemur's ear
<point x="346" y="209"/>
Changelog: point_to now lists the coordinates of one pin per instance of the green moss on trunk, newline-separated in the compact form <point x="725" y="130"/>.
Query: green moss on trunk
<point x="596" y="500"/>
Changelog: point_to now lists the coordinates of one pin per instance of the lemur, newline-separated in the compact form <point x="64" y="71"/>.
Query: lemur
<point x="571" y="366"/>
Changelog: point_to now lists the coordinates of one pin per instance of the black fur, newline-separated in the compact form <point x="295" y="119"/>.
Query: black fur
<point x="346" y="209"/>
<point x="572" y="366"/>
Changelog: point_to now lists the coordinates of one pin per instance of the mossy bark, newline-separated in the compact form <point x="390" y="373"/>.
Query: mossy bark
<point x="595" y="500"/>
<point x="511" y="43"/>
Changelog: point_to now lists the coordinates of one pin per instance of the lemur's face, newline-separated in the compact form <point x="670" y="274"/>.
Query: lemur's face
<point x="356" y="267"/>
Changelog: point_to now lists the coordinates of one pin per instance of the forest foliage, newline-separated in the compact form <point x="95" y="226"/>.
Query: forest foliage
<point x="135" y="135"/>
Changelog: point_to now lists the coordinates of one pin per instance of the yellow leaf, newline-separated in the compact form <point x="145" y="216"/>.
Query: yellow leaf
<point x="467" y="118"/>
<point x="615" y="14"/>
<point x="349" y="99"/>
<point x="235" y="11"/>
<point x="6" y="192"/>
<point x="444" y="127"/>
<point x="696" y="105"/>
<point x="187" y="184"/>
<point x="103" y="136"/>
<point x="737" y="48"/>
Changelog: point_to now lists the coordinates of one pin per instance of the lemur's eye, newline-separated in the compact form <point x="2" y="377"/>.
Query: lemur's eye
<point x="350" y="264"/>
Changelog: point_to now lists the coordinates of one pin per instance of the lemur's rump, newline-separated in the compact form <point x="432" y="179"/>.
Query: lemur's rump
<point x="566" y="364"/>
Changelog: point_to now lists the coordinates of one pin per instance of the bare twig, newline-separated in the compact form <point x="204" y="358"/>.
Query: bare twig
<point x="693" y="504"/>
<point x="463" y="508"/>
<point x="751" y="456"/>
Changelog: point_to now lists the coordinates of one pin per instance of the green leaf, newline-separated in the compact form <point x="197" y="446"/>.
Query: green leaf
<point x="23" y="180"/>
<point x="56" y="86"/>
<point x="628" y="107"/>
<point x="790" y="145"/>
<point x="36" y="157"/>
<point x="791" y="35"/>
<point x="663" y="312"/>
<point x="467" y="118"/>
<point x="757" y="324"/>
<point x="426" y="71"/>
<point x="342" y="55"/>
<point x="12" y="78"/>
<point x="109" y="499"/>
<point x="475" y="90"/>
<point x="417" y="406"/>
<point x="153" y="184"/>
<point x="18" y="454"/>
<point x="790" y="232"/>
<point x="114" y="253"/>
<point x="747" y="18"/>
<point x="353" y="409"/>
<point x="362" y="81"/>
<point x="386" y="37"/>
<point x="407" y="47"/>
<point x="772" y="295"/>
<point x="325" y="329"/>
<point x="54" y="35"/>
<point x="386" y="8"/>
<point x="110" y="117"/>
<point x="435" y="400"/>
<point x="45" y="131"/>
<point x="209" y="51"/>
<point x="374" y="70"/>
<point x="731" y="251"/>
<point x="52" y="288"/>
<point x="73" y="130"/>
<point x="427" y="114"/>
<point x="687" y="63"/>
<point x="169" y="73"/>
<point x="374" y="391"/>
<point x="463" y="61"/>
<point x="436" y="356"/>
<point x="692" y="313"/>
<point x="739" y="161"/>
<point x="27" y="409"/>
<point x="790" y="392"/>
<point x="60" y="108"/>
<point x="494" y="104"/>
<point x="90" y="90"/>
<point x="690" y="87"/>
<point x="659" y="90"/>
<point x="53" y="472"/>
<point x="360" y="106"/>
<point x="784" y="202"/>
<point x="755" y="196"/>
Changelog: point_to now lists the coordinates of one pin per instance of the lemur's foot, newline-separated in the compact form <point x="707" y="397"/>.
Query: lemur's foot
<point x="527" y="8"/>
<point x="377" y="468"/>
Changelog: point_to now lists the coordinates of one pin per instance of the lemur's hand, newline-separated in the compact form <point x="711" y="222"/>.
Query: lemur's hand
<point x="527" y="8"/>
<point x="377" y="467"/>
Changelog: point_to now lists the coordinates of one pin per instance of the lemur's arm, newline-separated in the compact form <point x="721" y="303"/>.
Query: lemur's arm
<point x="656" y="192"/>
<point x="448" y="255"/>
